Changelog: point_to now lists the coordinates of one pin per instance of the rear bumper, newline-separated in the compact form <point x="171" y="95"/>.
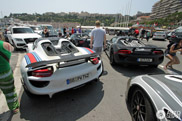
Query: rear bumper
<point x="133" y="59"/>
<point x="59" y="80"/>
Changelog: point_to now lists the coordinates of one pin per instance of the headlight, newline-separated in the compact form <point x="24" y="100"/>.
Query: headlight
<point x="17" y="39"/>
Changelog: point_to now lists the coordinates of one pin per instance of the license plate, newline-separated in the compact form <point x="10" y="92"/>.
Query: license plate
<point x="144" y="60"/>
<point x="78" y="78"/>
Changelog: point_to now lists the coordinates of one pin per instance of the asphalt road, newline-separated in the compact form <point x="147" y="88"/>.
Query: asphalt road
<point x="103" y="100"/>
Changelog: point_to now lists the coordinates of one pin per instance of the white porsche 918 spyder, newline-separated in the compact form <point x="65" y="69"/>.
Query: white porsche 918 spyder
<point x="53" y="65"/>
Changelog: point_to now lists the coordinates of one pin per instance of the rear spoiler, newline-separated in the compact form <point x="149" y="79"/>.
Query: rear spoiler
<point x="64" y="59"/>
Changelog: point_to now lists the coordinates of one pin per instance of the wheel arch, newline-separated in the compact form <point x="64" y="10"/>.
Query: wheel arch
<point x="129" y="96"/>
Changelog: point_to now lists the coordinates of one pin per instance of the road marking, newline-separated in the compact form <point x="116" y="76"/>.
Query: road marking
<point x="4" y="111"/>
<point x="169" y="71"/>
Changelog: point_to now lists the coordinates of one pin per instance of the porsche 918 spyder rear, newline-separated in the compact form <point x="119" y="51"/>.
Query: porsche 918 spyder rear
<point x="139" y="56"/>
<point x="57" y="77"/>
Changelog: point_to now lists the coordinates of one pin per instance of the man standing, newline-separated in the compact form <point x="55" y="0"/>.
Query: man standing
<point x="98" y="38"/>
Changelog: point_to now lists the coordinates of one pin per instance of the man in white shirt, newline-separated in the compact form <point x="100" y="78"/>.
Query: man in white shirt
<point x="98" y="38"/>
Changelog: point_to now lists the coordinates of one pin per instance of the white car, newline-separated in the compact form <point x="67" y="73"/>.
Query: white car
<point x="37" y="29"/>
<point x="19" y="36"/>
<point x="53" y="65"/>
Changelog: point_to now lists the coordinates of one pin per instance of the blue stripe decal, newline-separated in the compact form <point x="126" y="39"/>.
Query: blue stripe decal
<point x="86" y="50"/>
<point x="27" y="60"/>
<point x="37" y="56"/>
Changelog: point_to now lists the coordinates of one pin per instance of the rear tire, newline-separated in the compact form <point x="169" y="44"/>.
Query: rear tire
<point x="141" y="107"/>
<point x="111" y="58"/>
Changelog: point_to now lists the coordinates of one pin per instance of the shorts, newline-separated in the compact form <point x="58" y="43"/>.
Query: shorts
<point x="98" y="50"/>
<point x="168" y="53"/>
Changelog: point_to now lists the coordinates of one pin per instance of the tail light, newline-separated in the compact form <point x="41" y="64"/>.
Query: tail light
<point x="81" y="42"/>
<point x="173" y="36"/>
<point x="95" y="60"/>
<point x="46" y="72"/>
<point x="124" y="51"/>
<point x="158" y="52"/>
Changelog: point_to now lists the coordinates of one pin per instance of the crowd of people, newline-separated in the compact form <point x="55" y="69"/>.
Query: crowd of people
<point x="142" y="33"/>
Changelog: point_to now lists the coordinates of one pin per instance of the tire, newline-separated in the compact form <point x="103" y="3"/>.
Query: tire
<point x="140" y="107"/>
<point x="111" y="58"/>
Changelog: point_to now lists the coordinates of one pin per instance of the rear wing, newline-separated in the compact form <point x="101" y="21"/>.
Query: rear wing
<point x="70" y="61"/>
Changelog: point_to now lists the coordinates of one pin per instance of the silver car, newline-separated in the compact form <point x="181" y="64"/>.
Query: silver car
<point x="159" y="35"/>
<point x="155" y="97"/>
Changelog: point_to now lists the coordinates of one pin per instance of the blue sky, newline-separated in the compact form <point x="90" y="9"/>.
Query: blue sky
<point x="91" y="6"/>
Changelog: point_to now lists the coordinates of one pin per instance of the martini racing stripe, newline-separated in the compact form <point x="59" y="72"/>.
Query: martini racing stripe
<point x="32" y="58"/>
<point x="88" y="50"/>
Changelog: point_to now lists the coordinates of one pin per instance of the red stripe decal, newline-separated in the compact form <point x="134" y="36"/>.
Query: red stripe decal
<point x="90" y="50"/>
<point x="32" y="58"/>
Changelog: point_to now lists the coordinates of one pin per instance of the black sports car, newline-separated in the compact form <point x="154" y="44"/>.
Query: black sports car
<point x="81" y="40"/>
<point x="129" y="50"/>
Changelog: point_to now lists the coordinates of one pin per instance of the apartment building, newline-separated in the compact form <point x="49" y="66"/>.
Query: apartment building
<point x="163" y="8"/>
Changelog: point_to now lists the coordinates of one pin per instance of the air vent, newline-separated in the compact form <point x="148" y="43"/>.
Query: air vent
<point x="176" y="78"/>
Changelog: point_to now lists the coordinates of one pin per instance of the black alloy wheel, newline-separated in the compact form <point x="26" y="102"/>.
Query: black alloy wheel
<point x="141" y="109"/>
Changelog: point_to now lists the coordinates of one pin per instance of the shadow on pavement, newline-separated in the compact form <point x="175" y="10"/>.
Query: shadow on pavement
<point x="70" y="105"/>
<point x="132" y="70"/>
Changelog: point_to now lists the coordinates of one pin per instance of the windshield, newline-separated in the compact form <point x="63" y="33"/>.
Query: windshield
<point x="159" y="33"/>
<point x="35" y="28"/>
<point x="22" y="30"/>
<point x="48" y="27"/>
<point x="81" y="35"/>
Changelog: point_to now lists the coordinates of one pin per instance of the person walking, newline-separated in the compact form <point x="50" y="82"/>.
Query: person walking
<point x="170" y="53"/>
<point x="98" y="38"/>
<point x="64" y="31"/>
<point x="6" y="77"/>
<point x="147" y="35"/>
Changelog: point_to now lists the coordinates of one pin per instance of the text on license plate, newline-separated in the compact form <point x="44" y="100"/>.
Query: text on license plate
<point x="144" y="60"/>
<point x="78" y="78"/>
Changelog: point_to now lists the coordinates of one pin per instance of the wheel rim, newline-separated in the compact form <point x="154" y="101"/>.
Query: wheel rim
<point x="138" y="107"/>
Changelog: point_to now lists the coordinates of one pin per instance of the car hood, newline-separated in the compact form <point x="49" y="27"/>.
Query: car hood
<point x="173" y="82"/>
<point x="29" y="35"/>
<point x="168" y="87"/>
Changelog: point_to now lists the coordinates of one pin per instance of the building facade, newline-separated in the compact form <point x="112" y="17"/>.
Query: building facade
<point x="163" y="8"/>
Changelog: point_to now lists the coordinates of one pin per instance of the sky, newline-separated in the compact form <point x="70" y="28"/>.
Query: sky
<point x="91" y="6"/>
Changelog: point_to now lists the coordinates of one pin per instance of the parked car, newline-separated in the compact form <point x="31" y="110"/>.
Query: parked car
<point x="155" y="97"/>
<point x="176" y="35"/>
<point x="36" y="29"/>
<point x="131" y="51"/>
<point x="82" y="40"/>
<point x="53" y="65"/>
<point x="52" y="31"/>
<point x="19" y="36"/>
<point x="159" y="35"/>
